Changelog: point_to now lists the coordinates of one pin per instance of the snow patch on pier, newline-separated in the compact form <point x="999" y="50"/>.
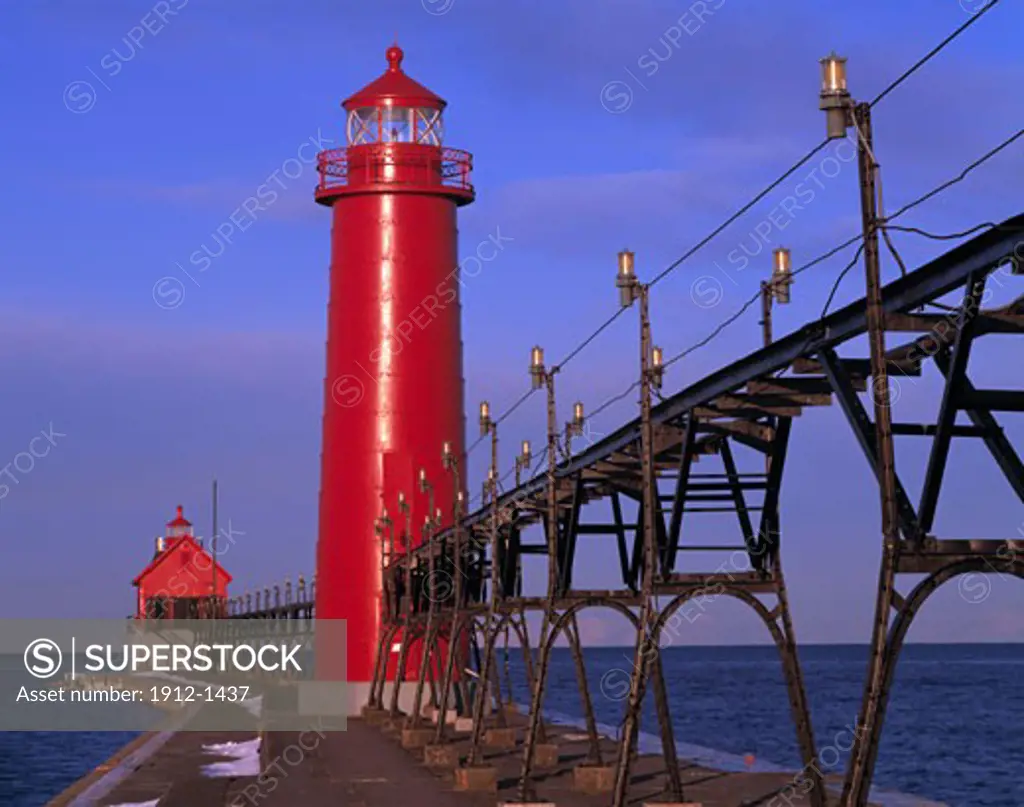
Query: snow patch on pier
<point x="152" y="803"/>
<point x="245" y="759"/>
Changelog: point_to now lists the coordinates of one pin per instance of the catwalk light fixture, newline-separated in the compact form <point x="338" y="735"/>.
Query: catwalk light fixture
<point x="447" y="457"/>
<point x="626" y="279"/>
<point x="835" y="97"/>
<point x="577" y="419"/>
<point x="490" y="484"/>
<point x="485" y="418"/>
<point x="523" y="460"/>
<point x="782" y="275"/>
<point x="537" y="367"/>
<point x="657" y="367"/>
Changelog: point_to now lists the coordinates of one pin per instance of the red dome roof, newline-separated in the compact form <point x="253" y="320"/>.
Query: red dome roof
<point x="179" y="520"/>
<point x="394" y="88"/>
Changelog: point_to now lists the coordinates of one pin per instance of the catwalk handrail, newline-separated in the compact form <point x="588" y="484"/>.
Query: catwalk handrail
<point x="931" y="281"/>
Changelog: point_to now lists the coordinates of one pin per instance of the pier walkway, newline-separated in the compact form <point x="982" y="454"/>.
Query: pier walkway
<point x="366" y="766"/>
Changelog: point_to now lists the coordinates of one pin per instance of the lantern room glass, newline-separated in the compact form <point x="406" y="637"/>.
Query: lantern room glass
<point x="395" y="124"/>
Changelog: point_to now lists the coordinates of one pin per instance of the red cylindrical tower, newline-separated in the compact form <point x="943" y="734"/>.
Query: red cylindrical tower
<point x="394" y="388"/>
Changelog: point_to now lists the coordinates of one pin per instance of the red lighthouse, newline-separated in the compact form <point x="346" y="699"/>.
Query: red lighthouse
<point x="182" y="581"/>
<point x="393" y="387"/>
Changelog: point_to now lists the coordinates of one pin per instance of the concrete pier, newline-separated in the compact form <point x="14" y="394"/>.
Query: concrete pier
<point x="367" y="766"/>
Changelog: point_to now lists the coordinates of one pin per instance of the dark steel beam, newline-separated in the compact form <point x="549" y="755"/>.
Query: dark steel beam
<point x="928" y="430"/>
<point x="679" y="497"/>
<point x="620" y="538"/>
<point x="863" y="430"/>
<point x="940" y="276"/>
<point x="950" y="405"/>
<point x="768" y="532"/>
<point x="996" y="441"/>
<point x="742" y="513"/>
<point x="994" y="400"/>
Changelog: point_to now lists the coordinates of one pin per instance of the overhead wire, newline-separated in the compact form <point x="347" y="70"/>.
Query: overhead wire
<point x="932" y="53"/>
<point x="885" y="92"/>
<point x="826" y="255"/>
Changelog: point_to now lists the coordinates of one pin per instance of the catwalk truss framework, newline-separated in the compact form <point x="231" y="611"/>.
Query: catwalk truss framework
<point x="467" y="578"/>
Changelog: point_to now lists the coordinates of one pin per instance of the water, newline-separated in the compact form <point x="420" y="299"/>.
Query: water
<point x="36" y="766"/>
<point x="951" y="734"/>
<point x="952" y="731"/>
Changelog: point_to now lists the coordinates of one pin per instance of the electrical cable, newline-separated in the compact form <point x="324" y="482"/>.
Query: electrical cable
<point x="933" y="52"/>
<point x="772" y="186"/>
<point x="824" y="256"/>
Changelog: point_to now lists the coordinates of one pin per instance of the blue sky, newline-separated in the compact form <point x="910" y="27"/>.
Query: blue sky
<point x="129" y="141"/>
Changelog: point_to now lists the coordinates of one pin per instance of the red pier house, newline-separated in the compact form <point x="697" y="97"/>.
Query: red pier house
<point x="181" y="581"/>
<point x="393" y="391"/>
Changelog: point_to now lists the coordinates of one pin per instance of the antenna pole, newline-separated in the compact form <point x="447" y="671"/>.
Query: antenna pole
<point x="213" y="551"/>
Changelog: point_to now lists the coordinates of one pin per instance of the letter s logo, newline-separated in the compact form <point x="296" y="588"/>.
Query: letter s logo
<point x="43" y="658"/>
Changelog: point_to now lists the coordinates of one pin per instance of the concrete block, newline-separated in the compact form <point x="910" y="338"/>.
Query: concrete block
<point x="373" y="715"/>
<point x="464" y="724"/>
<point x="545" y="756"/>
<point x="416" y="738"/>
<point x="441" y="756"/>
<point x="477" y="778"/>
<point x="673" y="804"/>
<point x="431" y="714"/>
<point x="500" y="739"/>
<point x="593" y="779"/>
<point x="526" y="804"/>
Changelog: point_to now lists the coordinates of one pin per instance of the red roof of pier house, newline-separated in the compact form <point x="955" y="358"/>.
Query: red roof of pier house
<point x="180" y="567"/>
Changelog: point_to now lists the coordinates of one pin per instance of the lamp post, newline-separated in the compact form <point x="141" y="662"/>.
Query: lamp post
<point x="542" y="376"/>
<point x="426" y="487"/>
<point x="427" y="643"/>
<point x="382" y="528"/>
<point x="405" y="602"/>
<point x="451" y="464"/>
<point x="777" y="289"/>
<point x="651" y="375"/>
<point x="488" y="426"/>
<point x="843" y="112"/>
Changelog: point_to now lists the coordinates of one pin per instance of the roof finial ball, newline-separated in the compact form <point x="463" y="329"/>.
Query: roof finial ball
<point x="395" y="55"/>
